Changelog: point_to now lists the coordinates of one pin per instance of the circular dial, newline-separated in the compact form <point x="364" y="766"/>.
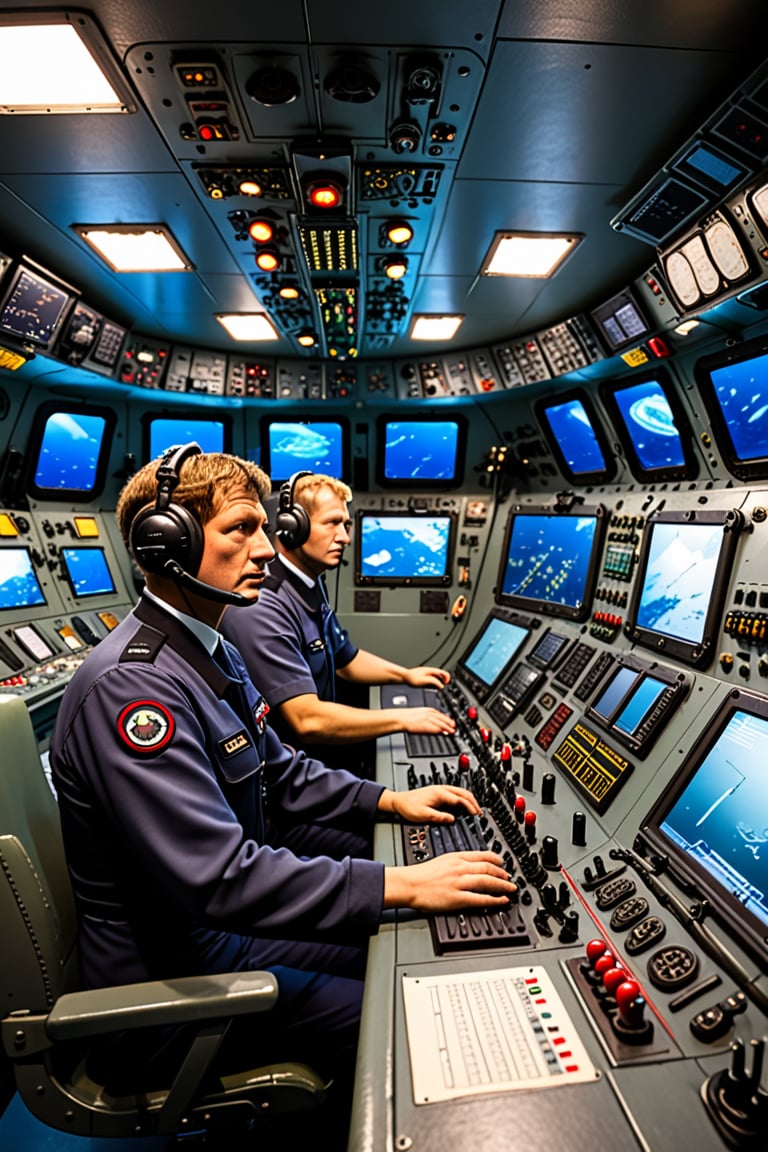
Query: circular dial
<point x="726" y="250"/>
<point x="681" y="279"/>
<point x="704" y="270"/>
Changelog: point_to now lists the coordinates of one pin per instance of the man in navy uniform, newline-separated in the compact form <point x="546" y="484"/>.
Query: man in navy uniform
<point x="295" y="648"/>
<point x="197" y="842"/>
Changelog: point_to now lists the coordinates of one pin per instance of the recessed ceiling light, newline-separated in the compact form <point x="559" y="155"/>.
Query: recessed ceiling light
<point x="247" y="326"/>
<point x="537" y="254"/>
<point x="435" y="327"/>
<point x="58" y="62"/>
<point x="135" y="247"/>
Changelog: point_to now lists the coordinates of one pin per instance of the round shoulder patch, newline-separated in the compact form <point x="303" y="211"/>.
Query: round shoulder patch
<point x="146" y="726"/>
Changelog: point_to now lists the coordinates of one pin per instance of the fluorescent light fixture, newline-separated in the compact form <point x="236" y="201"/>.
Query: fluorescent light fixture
<point x="247" y="326"/>
<point x="537" y="254"/>
<point x="58" y="62"/>
<point x="135" y="247"/>
<point x="435" y="327"/>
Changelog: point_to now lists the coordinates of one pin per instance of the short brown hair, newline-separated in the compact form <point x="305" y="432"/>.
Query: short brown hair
<point x="307" y="487"/>
<point x="205" y="480"/>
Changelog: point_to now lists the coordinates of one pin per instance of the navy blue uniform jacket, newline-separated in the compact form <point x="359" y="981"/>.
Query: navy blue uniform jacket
<point x="166" y="773"/>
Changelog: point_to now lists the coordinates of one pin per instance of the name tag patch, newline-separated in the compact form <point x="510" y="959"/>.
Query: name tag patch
<point x="231" y="745"/>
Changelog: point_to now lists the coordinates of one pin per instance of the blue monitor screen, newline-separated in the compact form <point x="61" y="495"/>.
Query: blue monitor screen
<point x="496" y="645"/>
<point x="573" y="432"/>
<point x="639" y="705"/>
<point x="404" y="549"/>
<point x="720" y="819"/>
<point x="550" y="562"/>
<point x="312" y="447"/>
<point x="87" y="571"/>
<point x="33" y="308"/>
<point x="679" y="579"/>
<point x="164" y="432"/>
<point x="741" y="391"/>
<point x="70" y="452"/>
<point x="650" y="425"/>
<point x="417" y="451"/>
<point x="19" y="587"/>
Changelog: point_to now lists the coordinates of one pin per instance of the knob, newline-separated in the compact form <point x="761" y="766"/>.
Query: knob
<point x="548" y="788"/>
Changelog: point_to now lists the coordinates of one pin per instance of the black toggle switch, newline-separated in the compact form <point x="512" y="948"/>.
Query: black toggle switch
<point x="548" y="788"/>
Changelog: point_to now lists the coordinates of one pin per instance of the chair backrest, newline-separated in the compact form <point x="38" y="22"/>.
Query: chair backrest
<point x="38" y="961"/>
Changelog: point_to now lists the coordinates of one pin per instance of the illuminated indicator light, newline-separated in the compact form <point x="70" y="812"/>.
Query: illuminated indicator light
<point x="260" y="230"/>
<point x="268" y="260"/>
<point x="542" y="1000"/>
<point x="399" y="232"/>
<point x="559" y="1040"/>
<point x="289" y="292"/>
<point x="249" y="188"/>
<point x="635" y="357"/>
<point x="307" y="339"/>
<point x="324" y="195"/>
<point x="395" y="269"/>
<point x="658" y="347"/>
<point x="571" y="1067"/>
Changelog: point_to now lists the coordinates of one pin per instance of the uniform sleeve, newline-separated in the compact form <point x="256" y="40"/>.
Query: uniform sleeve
<point x="270" y="638"/>
<point x="138" y="741"/>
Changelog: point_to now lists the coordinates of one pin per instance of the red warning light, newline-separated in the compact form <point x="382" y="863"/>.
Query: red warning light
<point x="324" y="193"/>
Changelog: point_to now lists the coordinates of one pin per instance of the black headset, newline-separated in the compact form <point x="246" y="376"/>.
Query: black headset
<point x="292" y="524"/>
<point x="168" y="539"/>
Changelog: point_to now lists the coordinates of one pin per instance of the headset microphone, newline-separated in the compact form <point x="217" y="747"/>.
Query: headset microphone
<point x="167" y="539"/>
<point x="175" y="571"/>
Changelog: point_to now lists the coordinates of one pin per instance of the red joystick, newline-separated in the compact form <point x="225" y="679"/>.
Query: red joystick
<point x="472" y="713"/>
<point x="463" y="762"/>
<point x="485" y="735"/>
<point x="595" y="949"/>
<point x="613" y="978"/>
<point x="505" y="755"/>
<point x="529" y="822"/>
<point x="604" y="964"/>
<point x="630" y="1002"/>
<point x="519" y="806"/>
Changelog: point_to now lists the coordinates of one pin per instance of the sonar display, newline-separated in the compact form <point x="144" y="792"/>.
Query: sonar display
<point x="19" y="587"/>
<point x="404" y="547"/>
<point x="741" y="390"/>
<point x="70" y="451"/>
<point x="573" y="431"/>
<point x="650" y="425"/>
<point x="295" y="447"/>
<point x="679" y="579"/>
<point x="720" y="819"/>
<point x="549" y="559"/>
<point x="420" y="450"/>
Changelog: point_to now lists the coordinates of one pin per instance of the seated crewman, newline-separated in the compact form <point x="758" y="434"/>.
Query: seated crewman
<point x="293" y="644"/>
<point x="198" y="843"/>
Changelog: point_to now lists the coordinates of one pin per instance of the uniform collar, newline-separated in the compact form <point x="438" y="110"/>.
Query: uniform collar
<point x="161" y="618"/>
<point x="208" y="637"/>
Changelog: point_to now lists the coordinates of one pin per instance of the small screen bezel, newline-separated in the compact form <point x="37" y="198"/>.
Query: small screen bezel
<point x="747" y="929"/>
<point x="695" y="654"/>
<point x="319" y="418"/>
<point x="70" y="579"/>
<point x="368" y="581"/>
<point x="70" y="495"/>
<point x="689" y="469"/>
<point x="385" y="481"/>
<point x="753" y="468"/>
<point x="481" y="688"/>
<point x="17" y="547"/>
<point x="549" y="607"/>
<point x="575" y="395"/>
<point x="45" y="280"/>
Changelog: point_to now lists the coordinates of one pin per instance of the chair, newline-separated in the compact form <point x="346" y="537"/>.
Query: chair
<point x="48" y="1024"/>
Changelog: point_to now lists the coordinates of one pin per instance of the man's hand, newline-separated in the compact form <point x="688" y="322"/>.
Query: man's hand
<point x="426" y="805"/>
<point x="449" y="883"/>
<point x="426" y="720"/>
<point x="425" y="677"/>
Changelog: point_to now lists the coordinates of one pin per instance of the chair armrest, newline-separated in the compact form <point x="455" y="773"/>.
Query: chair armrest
<point x="78" y="1015"/>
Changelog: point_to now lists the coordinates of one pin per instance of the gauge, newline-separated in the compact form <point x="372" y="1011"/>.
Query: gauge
<point x="681" y="279"/>
<point x="760" y="202"/>
<point x="706" y="274"/>
<point x="726" y="250"/>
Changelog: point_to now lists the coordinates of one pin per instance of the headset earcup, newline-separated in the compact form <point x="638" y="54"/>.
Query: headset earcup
<point x="292" y="526"/>
<point x="172" y="533"/>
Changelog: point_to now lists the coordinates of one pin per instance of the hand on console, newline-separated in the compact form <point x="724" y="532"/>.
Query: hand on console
<point x="430" y="805"/>
<point x="450" y="883"/>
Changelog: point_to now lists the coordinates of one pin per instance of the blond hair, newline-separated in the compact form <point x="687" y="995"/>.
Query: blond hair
<point x="306" y="490"/>
<point x="205" y="480"/>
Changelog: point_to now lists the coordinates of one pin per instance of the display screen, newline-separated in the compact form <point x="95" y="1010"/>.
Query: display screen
<point x="69" y="451"/>
<point x="32" y="642"/>
<point x="497" y="643"/>
<point x="19" y="587"/>
<point x="165" y="431"/>
<point x="681" y="583"/>
<point x="620" y="321"/>
<point x="33" y="307"/>
<point x="734" y="387"/>
<point x="87" y="571"/>
<point x="575" y="438"/>
<point x="651" y="428"/>
<point x="394" y="548"/>
<point x="420" y="452"/>
<point x="549" y="560"/>
<point x="713" y="823"/>
<point x="299" y="446"/>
